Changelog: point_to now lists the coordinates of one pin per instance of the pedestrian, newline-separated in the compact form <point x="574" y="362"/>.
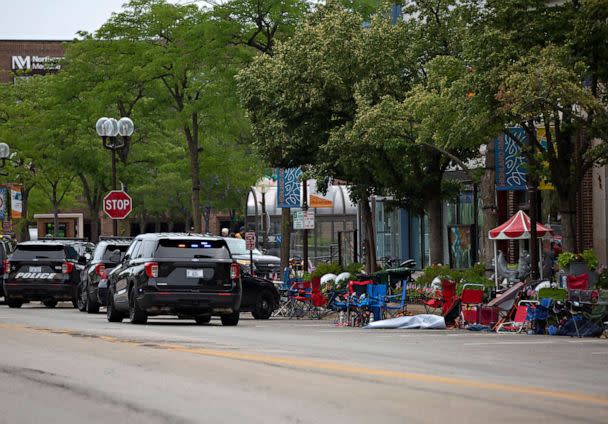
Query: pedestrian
<point x="225" y="232"/>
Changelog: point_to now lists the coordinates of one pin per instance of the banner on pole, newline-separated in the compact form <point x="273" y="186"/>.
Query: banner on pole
<point x="288" y="187"/>
<point x="3" y="209"/>
<point x="16" y="202"/>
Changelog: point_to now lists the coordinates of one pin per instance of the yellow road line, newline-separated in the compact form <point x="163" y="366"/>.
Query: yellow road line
<point x="312" y="364"/>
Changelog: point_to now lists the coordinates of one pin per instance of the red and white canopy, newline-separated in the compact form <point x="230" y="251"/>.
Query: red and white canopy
<point x="516" y="228"/>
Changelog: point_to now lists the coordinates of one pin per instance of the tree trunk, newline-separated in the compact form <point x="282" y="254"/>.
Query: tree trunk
<point x="24" y="233"/>
<point x="285" y="237"/>
<point x="192" y="139"/>
<point x="567" y="210"/>
<point x="369" y="242"/>
<point x="488" y="207"/>
<point x="55" y="204"/>
<point x="94" y="226"/>
<point x="142" y="223"/>
<point x="435" y="230"/>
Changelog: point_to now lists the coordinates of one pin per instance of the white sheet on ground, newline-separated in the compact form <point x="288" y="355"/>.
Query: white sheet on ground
<point x="415" y="321"/>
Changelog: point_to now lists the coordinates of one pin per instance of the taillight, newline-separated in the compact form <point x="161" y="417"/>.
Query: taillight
<point x="151" y="269"/>
<point x="67" y="267"/>
<point x="235" y="271"/>
<point x="6" y="264"/>
<point x="100" y="270"/>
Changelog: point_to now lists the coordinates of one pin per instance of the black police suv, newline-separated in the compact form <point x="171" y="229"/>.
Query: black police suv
<point x="188" y="275"/>
<point x="260" y="296"/>
<point x="44" y="270"/>
<point x="93" y="288"/>
<point x="266" y="266"/>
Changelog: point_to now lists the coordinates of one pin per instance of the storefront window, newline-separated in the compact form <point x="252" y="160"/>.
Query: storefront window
<point x="387" y="231"/>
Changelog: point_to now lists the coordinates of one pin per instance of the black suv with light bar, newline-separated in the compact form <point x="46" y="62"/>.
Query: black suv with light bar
<point x="44" y="270"/>
<point x="93" y="287"/>
<point x="188" y="275"/>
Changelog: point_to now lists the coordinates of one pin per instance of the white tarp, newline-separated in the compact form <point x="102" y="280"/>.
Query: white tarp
<point x="422" y="321"/>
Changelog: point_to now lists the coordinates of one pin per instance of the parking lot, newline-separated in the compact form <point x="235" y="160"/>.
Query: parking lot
<point x="76" y="366"/>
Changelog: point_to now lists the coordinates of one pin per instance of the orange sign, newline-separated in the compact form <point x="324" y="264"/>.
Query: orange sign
<point x="319" y="202"/>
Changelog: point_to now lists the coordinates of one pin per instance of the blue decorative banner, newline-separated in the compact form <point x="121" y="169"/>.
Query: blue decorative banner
<point x="288" y="187"/>
<point x="510" y="164"/>
<point x="3" y="214"/>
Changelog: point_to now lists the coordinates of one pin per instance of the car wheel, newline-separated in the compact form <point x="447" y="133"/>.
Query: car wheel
<point x="50" y="303"/>
<point x="136" y="314"/>
<point x="202" y="319"/>
<point x="81" y="301"/>
<point x="231" y="319"/>
<point x="14" y="303"/>
<point x="264" y="306"/>
<point x="92" y="305"/>
<point x="112" y="314"/>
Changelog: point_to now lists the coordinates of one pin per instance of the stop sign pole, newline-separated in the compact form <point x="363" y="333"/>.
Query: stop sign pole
<point x="108" y="129"/>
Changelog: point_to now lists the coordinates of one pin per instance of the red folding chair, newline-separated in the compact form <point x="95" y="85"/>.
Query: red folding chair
<point x="578" y="282"/>
<point x="523" y="314"/>
<point x="471" y="300"/>
<point x="448" y="295"/>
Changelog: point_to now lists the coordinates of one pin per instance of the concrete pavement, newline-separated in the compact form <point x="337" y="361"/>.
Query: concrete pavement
<point x="69" y="366"/>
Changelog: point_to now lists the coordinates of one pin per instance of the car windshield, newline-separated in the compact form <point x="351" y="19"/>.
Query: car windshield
<point x="192" y="248"/>
<point x="38" y="251"/>
<point x="104" y="254"/>
<point x="238" y="247"/>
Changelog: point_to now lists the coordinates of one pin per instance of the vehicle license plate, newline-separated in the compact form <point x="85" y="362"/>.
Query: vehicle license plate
<point x="195" y="273"/>
<point x="35" y="269"/>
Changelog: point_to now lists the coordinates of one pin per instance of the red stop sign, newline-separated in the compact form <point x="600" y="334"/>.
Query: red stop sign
<point x="117" y="204"/>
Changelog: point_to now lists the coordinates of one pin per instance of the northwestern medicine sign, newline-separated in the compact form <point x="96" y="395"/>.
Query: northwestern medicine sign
<point x="35" y="63"/>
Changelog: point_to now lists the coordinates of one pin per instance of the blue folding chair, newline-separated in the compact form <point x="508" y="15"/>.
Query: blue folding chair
<point x="377" y="295"/>
<point x="396" y="305"/>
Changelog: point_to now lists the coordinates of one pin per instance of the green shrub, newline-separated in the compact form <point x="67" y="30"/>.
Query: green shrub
<point x="354" y="268"/>
<point x="590" y="259"/>
<point x="588" y="256"/>
<point x="323" y="268"/>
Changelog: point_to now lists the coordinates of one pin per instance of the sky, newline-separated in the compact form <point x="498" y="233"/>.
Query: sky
<point x="54" y="19"/>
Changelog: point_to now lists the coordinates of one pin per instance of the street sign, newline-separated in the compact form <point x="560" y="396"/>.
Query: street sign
<point x="250" y="240"/>
<point x="316" y="201"/>
<point x="117" y="204"/>
<point x="304" y="220"/>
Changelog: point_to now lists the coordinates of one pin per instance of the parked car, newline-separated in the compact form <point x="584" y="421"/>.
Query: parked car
<point x="260" y="295"/>
<point x="264" y="265"/>
<point x="92" y="294"/>
<point x="43" y="270"/>
<point x="6" y="247"/>
<point x="191" y="276"/>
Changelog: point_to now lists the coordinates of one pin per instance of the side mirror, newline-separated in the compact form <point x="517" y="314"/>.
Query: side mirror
<point x="115" y="256"/>
<point x="82" y="260"/>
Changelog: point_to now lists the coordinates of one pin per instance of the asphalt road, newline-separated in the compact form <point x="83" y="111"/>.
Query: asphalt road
<point x="63" y="366"/>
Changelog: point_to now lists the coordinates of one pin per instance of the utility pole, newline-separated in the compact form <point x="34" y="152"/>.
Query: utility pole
<point x="532" y="193"/>
<point x="305" y="231"/>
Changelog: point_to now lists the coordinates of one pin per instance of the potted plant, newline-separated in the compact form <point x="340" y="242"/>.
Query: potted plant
<point x="579" y="263"/>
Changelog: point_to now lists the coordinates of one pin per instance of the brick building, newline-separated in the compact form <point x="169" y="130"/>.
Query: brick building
<point x="23" y="58"/>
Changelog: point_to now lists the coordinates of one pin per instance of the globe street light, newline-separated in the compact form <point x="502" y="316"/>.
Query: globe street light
<point x="108" y="129"/>
<point x="5" y="153"/>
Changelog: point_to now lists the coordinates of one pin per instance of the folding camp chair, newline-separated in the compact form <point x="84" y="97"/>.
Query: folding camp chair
<point x="578" y="282"/>
<point x="433" y="304"/>
<point x="287" y="303"/>
<point x="357" y="312"/>
<point x="524" y="314"/>
<point x="471" y="300"/>
<point x="396" y="305"/>
<point x="377" y="295"/>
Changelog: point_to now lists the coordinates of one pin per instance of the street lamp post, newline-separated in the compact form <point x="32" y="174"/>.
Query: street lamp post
<point x="108" y="129"/>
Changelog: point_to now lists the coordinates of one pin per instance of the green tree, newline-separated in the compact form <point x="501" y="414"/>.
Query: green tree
<point x="188" y="53"/>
